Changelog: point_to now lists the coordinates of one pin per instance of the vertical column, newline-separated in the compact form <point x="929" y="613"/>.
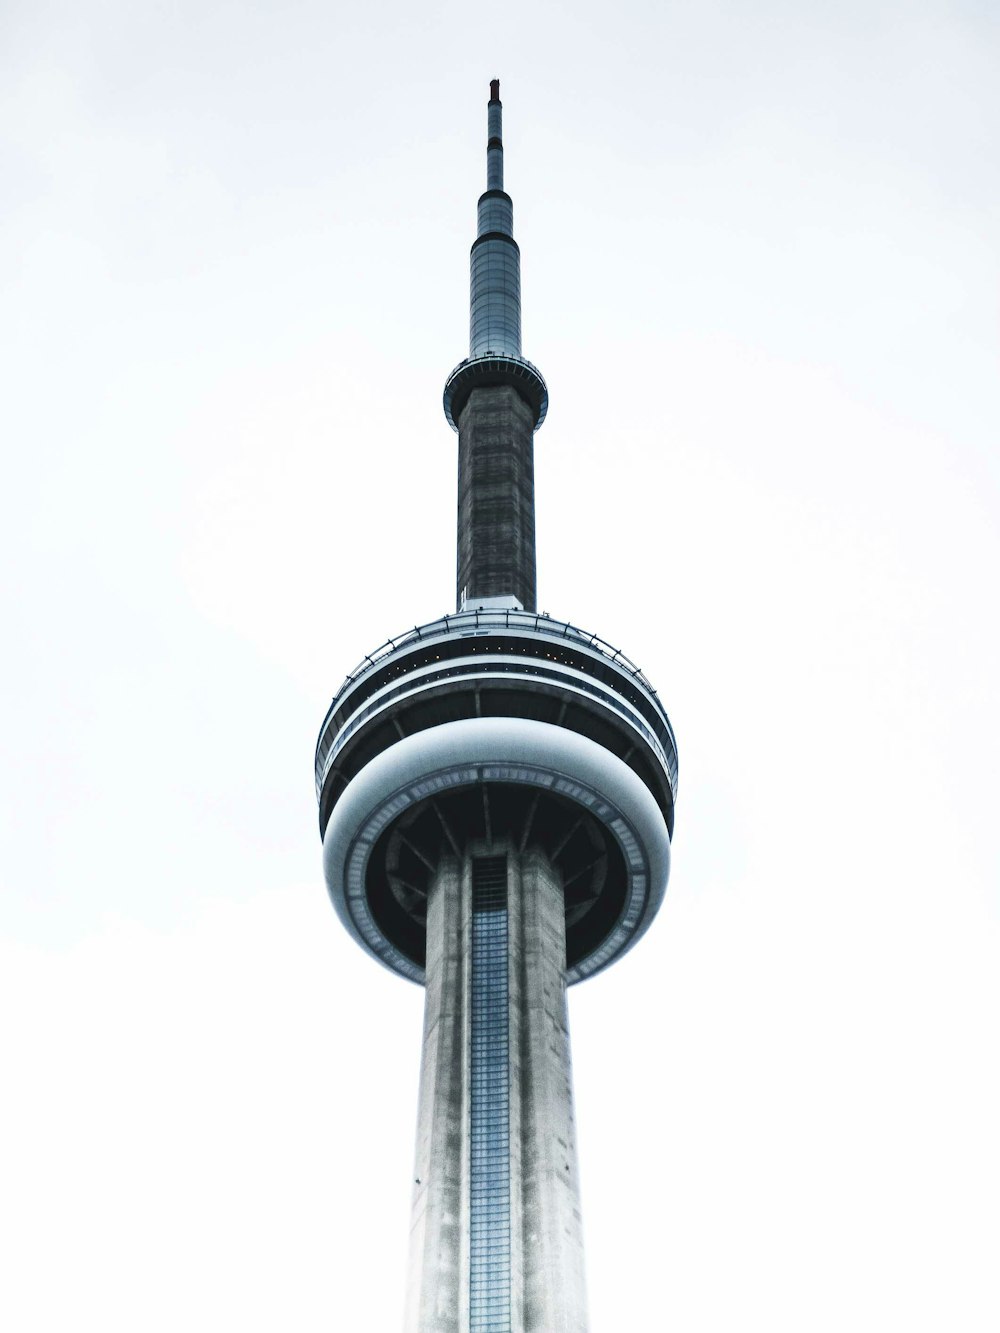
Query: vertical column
<point x="554" y="1290"/>
<point x="437" y="1284"/>
<point x="496" y="497"/>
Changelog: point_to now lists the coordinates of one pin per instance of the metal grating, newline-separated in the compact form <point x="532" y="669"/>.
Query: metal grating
<point x="489" y="1170"/>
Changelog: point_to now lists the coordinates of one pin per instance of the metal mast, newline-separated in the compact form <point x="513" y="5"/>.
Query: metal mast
<point x="496" y="401"/>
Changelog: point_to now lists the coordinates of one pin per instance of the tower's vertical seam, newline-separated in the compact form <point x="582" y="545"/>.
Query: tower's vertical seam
<point x="489" y="1110"/>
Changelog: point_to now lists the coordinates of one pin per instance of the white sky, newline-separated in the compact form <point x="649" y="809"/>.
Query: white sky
<point x="760" y="274"/>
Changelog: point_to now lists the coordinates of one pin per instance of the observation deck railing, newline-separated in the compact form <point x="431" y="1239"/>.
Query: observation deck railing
<point x="464" y="622"/>
<point x="469" y="624"/>
<point x="325" y="757"/>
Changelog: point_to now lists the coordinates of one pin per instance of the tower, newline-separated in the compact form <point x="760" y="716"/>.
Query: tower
<point x="496" y="794"/>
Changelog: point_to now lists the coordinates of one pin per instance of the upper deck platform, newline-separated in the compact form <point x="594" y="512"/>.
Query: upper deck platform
<point x="499" y="663"/>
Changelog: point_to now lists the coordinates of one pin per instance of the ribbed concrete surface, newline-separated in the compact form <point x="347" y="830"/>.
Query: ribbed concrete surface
<point x="438" y="1281"/>
<point x="554" y="1294"/>
<point x="496" y="497"/>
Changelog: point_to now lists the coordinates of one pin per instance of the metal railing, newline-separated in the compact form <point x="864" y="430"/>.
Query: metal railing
<point x="468" y="622"/>
<point x="332" y="740"/>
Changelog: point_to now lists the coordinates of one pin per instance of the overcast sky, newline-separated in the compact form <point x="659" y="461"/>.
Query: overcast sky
<point x="760" y="263"/>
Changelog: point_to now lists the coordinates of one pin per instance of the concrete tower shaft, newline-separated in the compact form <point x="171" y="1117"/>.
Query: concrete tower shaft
<point x="496" y="501"/>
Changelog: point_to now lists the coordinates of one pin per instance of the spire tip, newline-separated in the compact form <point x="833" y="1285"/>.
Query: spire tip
<point x="494" y="90"/>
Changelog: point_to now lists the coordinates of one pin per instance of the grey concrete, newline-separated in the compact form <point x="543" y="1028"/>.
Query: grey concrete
<point x="547" y="1278"/>
<point x="438" y="1280"/>
<point x="554" y="1293"/>
<point x="496" y="498"/>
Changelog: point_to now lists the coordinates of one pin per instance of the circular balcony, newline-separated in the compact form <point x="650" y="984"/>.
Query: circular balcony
<point x="491" y="369"/>
<point x="488" y="724"/>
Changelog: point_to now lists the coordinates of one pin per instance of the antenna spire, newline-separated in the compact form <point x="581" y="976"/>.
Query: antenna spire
<point x="496" y="401"/>
<point x="494" y="144"/>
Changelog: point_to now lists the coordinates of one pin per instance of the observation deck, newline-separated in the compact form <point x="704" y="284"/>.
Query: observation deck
<point x="493" y="722"/>
<point x="491" y="370"/>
